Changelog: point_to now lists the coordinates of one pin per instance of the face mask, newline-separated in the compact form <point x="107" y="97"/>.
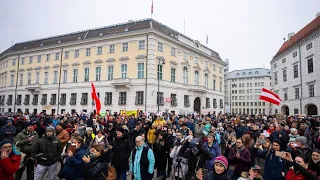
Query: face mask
<point x="91" y="155"/>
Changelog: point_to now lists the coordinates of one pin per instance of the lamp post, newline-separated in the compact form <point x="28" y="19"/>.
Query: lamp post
<point x="161" y="61"/>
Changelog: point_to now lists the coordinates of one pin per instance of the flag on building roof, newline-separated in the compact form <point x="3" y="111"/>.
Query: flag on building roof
<point x="95" y="98"/>
<point x="271" y="97"/>
<point x="152" y="7"/>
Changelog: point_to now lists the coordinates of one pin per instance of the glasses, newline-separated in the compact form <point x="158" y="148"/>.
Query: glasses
<point x="6" y="147"/>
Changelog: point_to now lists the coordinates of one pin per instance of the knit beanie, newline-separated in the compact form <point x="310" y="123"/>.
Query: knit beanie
<point x="50" y="128"/>
<point x="302" y="140"/>
<point x="121" y="130"/>
<point x="89" y="129"/>
<point x="222" y="160"/>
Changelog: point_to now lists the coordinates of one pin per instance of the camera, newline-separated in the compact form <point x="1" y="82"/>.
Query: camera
<point x="179" y="160"/>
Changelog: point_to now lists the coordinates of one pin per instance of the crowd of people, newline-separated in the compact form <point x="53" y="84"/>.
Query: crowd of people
<point x="200" y="147"/>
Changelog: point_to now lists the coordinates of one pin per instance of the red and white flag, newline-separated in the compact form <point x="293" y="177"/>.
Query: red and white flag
<point x="267" y="95"/>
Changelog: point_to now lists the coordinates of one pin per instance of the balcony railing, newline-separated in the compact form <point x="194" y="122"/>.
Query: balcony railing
<point x="121" y="82"/>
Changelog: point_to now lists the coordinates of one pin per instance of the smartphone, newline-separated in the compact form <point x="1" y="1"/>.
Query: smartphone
<point x="280" y="154"/>
<point x="72" y="148"/>
<point x="204" y="172"/>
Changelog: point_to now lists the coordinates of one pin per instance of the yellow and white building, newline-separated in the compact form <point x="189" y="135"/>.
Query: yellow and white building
<point x="122" y="61"/>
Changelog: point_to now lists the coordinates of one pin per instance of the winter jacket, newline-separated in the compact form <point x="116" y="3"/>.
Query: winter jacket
<point x="160" y="150"/>
<point x="142" y="163"/>
<point x="293" y="137"/>
<point x="241" y="131"/>
<point x="121" y="149"/>
<point x="159" y="122"/>
<point x="87" y="139"/>
<point x="94" y="169"/>
<point x="64" y="137"/>
<point x="275" y="165"/>
<point x="300" y="173"/>
<point x="151" y="136"/>
<point x="10" y="132"/>
<point x="243" y="163"/>
<point x="213" y="176"/>
<point x="73" y="168"/>
<point x="215" y="151"/>
<point x="9" y="166"/>
<point x="21" y="141"/>
<point x="51" y="149"/>
<point x="315" y="167"/>
<point x="184" y="161"/>
<point x="198" y="130"/>
<point x="282" y="135"/>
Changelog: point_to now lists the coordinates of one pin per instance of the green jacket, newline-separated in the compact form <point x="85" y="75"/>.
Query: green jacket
<point x="22" y="142"/>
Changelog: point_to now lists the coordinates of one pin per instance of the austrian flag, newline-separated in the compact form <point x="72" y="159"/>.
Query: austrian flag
<point x="267" y="95"/>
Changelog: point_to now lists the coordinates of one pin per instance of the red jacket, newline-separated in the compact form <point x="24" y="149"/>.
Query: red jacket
<point x="291" y="175"/>
<point x="9" y="166"/>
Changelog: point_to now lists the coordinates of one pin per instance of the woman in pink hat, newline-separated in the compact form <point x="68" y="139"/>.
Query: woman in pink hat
<point x="220" y="170"/>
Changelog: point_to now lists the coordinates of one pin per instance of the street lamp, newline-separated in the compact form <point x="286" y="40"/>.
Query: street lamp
<point x="161" y="61"/>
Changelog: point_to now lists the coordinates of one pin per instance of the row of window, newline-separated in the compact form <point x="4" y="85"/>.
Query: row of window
<point x="249" y="97"/>
<point x="294" y="54"/>
<point x="139" y="99"/>
<point x="311" y="92"/>
<point x="257" y="84"/>
<point x="248" y="111"/>
<point x="124" y="71"/>
<point x="248" y="103"/>
<point x="295" y="71"/>
<point x="243" y="91"/>
<point x="245" y="79"/>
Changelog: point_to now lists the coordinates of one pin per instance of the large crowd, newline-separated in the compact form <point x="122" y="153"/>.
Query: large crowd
<point x="160" y="146"/>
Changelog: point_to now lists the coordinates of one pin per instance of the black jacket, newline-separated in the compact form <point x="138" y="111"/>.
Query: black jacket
<point x="97" y="168"/>
<point x="121" y="149"/>
<point x="51" y="149"/>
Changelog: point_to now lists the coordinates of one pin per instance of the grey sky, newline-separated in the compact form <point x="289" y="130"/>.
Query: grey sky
<point x="248" y="32"/>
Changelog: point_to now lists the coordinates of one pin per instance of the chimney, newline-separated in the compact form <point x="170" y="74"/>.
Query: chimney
<point x="318" y="14"/>
<point x="290" y="35"/>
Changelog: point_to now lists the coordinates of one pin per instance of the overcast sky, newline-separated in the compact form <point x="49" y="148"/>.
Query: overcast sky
<point x="248" y="32"/>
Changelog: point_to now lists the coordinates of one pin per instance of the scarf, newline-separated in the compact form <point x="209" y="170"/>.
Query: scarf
<point x="240" y="149"/>
<point x="99" y="139"/>
<point x="316" y="161"/>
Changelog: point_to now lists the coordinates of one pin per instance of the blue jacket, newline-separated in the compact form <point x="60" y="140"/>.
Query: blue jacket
<point x="275" y="164"/>
<point x="9" y="132"/>
<point x="215" y="151"/>
<point x="73" y="166"/>
<point x="135" y="166"/>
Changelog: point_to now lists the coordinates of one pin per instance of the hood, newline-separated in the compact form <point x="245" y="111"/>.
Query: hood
<point x="48" y="138"/>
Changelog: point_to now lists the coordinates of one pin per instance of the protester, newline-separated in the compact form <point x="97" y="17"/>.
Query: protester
<point x="62" y="135"/>
<point x="10" y="160"/>
<point x="50" y="146"/>
<point x="73" y="168"/>
<point x="9" y="130"/>
<point x="100" y="139"/>
<point x="96" y="163"/>
<point x="25" y="141"/>
<point x="142" y="161"/>
<point x="220" y="171"/>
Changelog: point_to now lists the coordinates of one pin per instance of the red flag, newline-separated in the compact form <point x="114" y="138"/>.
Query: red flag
<point x="95" y="98"/>
<point x="152" y="8"/>
<point x="269" y="96"/>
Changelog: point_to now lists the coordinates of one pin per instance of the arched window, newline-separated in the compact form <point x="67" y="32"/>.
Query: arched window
<point x="238" y="74"/>
<point x="256" y="72"/>
<point x="196" y="78"/>
<point x="185" y="75"/>
<point x="243" y="74"/>
<point x="250" y="73"/>
<point x="206" y="77"/>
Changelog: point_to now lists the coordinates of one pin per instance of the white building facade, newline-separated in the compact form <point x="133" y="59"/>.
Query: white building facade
<point x="124" y="62"/>
<point x="244" y="88"/>
<point x="296" y="72"/>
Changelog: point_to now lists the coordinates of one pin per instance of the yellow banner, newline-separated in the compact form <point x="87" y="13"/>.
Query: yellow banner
<point x="129" y="113"/>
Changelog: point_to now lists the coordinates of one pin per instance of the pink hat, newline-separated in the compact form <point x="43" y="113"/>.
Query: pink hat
<point x="222" y="160"/>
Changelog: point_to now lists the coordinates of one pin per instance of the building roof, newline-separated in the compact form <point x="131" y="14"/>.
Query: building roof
<point x="248" y="73"/>
<point x="303" y="33"/>
<point x="122" y="28"/>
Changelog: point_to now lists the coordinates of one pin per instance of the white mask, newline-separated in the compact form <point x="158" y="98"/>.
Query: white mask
<point x="74" y="144"/>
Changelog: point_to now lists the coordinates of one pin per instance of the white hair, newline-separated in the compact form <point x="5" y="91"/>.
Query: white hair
<point x="139" y="138"/>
